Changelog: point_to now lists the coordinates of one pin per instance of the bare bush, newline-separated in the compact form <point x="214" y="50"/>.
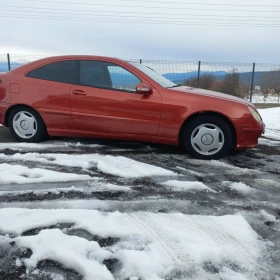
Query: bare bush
<point x="270" y="81"/>
<point x="205" y="82"/>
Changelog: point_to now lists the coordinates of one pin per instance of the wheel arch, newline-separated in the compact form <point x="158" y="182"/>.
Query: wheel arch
<point x="208" y="113"/>
<point x="10" y="109"/>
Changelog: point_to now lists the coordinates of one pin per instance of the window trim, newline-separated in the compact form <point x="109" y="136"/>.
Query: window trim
<point x="77" y="76"/>
<point x="106" y="88"/>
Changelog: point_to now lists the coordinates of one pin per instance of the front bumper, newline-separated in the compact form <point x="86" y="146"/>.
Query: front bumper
<point x="248" y="132"/>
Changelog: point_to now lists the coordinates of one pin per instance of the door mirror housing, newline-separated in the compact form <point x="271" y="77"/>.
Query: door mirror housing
<point x="144" y="89"/>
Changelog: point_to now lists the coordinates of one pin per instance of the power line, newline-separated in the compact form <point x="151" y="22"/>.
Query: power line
<point x="148" y="7"/>
<point x="137" y="17"/>
<point x="203" y="3"/>
<point x="137" y="13"/>
<point x="141" y="22"/>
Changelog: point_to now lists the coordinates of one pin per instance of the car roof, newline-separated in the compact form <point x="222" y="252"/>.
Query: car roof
<point x="46" y="60"/>
<point x="73" y="56"/>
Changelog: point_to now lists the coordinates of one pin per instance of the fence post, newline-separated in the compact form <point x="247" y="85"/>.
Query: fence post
<point x="9" y="62"/>
<point x="198" y="74"/>
<point x="252" y="82"/>
<point x="140" y="60"/>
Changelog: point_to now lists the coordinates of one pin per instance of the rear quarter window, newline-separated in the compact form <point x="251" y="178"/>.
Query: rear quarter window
<point x="61" y="71"/>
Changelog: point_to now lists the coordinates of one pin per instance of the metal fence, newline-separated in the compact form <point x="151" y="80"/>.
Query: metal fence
<point x="258" y="82"/>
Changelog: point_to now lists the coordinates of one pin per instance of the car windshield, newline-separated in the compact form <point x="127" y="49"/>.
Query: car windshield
<point x="154" y="75"/>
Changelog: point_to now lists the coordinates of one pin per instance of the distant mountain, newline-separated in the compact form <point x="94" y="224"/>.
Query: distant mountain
<point x="4" y="66"/>
<point x="181" y="77"/>
<point x="245" y="77"/>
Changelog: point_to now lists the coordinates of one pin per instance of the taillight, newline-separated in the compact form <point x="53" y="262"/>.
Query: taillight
<point x="2" y="91"/>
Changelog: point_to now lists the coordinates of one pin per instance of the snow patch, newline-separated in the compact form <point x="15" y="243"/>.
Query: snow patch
<point x="260" y="98"/>
<point x="18" y="263"/>
<point x="114" y="165"/>
<point x="30" y="146"/>
<point x="98" y="187"/>
<point x="268" y="182"/>
<point x="79" y="144"/>
<point x="18" y="174"/>
<point x="268" y="216"/>
<point x="97" y="223"/>
<point x="112" y="187"/>
<point x="239" y="187"/>
<point x="220" y="164"/>
<point x="73" y="252"/>
<point x="268" y="142"/>
<point x="271" y="118"/>
<point x="146" y="264"/>
<point x="92" y="204"/>
<point x="187" y="185"/>
<point x="45" y="191"/>
<point x="151" y="246"/>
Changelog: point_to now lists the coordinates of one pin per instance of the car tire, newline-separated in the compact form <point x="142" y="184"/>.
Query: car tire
<point x="207" y="137"/>
<point x="26" y="125"/>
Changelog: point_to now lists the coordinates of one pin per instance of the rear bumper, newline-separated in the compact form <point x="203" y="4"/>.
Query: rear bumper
<point x="248" y="133"/>
<point x="3" y="109"/>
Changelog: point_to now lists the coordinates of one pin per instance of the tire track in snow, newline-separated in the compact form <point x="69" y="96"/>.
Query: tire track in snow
<point x="154" y="231"/>
<point x="154" y="237"/>
<point x="223" y="239"/>
<point x="233" y="249"/>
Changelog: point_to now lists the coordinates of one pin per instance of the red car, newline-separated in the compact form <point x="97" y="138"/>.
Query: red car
<point x="92" y="96"/>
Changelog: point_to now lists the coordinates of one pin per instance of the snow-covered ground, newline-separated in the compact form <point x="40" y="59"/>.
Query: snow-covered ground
<point x="17" y="174"/>
<point x="177" y="218"/>
<point x="147" y="245"/>
<point x="128" y="211"/>
<point x="260" y="98"/>
<point x="114" y="165"/>
<point x="271" y="118"/>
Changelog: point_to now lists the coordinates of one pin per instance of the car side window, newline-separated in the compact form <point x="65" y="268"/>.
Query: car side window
<point x="107" y="75"/>
<point x="122" y="79"/>
<point x="61" y="71"/>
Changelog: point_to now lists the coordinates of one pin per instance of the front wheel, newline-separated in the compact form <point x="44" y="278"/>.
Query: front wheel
<point x="26" y="125"/>
<point x="207" y="137"/>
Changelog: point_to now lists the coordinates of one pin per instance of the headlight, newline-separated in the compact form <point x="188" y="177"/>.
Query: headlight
<point x="255" y="114"/>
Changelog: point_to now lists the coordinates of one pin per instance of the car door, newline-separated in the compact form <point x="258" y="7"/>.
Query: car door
<point x="106" y="100"/>
<point x="48" y="89"/>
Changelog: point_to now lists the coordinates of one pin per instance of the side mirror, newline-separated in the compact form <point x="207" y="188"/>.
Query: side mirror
<point x="144" y="89"/>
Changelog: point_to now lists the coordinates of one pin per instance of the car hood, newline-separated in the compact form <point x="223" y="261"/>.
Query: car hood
<point x="211" y="93"/>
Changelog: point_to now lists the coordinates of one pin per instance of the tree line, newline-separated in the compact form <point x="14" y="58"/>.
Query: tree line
<point x="232" y="84"/>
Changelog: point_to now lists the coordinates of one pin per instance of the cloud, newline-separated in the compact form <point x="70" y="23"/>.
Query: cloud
<point x="70" y="33"/>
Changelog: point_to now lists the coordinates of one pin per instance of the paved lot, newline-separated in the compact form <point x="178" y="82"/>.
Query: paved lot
<point x="247" y="183"/>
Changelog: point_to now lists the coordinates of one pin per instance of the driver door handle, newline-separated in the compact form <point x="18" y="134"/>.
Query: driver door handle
<point x="78" y="92"/>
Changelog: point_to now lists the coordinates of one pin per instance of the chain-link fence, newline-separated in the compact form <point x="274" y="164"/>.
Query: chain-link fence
<point x="258" y="82"/>
<point x="233" y="78"/>
<point x="17" y="60"/>
<point x="176" y="71"/>
<point x="267" y="83"/>
<point x="3" y="63"/>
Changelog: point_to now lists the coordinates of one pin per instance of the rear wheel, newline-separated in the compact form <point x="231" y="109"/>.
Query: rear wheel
<point x="207" y="137"/>
<point x="26" y="125"/>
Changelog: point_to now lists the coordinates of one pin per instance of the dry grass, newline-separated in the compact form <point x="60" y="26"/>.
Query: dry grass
<point x="266" y="105"/>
